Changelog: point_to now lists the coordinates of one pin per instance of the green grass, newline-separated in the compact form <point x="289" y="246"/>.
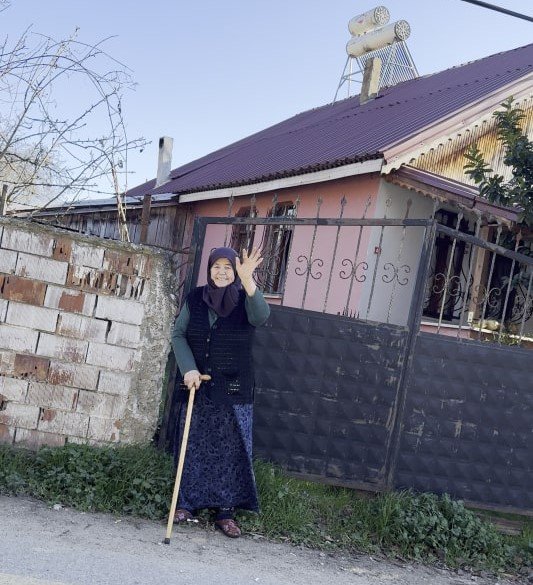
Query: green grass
<point x="138" y="480"/>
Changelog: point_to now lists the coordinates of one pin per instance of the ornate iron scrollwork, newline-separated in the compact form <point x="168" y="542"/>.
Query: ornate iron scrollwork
<point x="395" y="275"/>
<point x="345" y="274"/>
<point x="309" y="267"/>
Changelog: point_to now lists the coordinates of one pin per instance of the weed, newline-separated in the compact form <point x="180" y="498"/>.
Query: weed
<point x="138" y="480"/>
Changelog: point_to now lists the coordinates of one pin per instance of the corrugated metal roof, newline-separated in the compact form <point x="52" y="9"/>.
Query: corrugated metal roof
<point x="346" y="132"/>
<point x="129" y="199"/>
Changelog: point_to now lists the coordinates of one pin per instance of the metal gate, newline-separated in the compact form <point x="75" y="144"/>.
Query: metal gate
<point x="340" y="362"/>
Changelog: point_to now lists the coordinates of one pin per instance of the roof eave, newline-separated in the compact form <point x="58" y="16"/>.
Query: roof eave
<point x="444" y="129"/>
<point x="296" y="180"/>
<point x="462" y="195"/>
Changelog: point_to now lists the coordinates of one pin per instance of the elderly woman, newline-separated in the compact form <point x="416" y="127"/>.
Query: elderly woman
<point x="213" y="335"/>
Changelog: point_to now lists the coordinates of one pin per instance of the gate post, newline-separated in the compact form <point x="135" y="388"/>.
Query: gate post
<point x="165" y="440"/>
<point x="413" y="325"/>
<point x="195" y="254"/>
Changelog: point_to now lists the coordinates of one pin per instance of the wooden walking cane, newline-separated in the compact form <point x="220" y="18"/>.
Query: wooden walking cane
<point x="181" y="460"/>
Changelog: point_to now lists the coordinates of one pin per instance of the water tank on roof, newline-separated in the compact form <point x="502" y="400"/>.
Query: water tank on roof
<point x="394" y="32"/>
<point x="378" y="16"/>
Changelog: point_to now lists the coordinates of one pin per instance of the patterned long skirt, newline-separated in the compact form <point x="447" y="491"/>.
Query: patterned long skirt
<point x="218" y="469"/>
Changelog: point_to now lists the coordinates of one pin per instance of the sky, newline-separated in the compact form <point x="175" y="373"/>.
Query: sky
<point x="210" y="72"/>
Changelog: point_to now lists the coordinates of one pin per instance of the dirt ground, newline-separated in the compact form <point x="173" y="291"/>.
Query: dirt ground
<point x="40" y="545"/>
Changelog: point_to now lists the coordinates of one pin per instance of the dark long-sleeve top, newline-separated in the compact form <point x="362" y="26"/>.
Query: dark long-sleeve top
<point x="257" y="311"/>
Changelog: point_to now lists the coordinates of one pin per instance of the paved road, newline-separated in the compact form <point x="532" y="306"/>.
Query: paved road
<point x="43" y="546"/>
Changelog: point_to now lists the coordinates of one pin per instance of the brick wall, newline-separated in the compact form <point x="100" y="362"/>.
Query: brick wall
<point x="84" y="337"/>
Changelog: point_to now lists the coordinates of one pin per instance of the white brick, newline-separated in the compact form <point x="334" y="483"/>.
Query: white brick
<point x="20" y="415"/>
<point x="18" y="338"/>
<point x="3" y="310"/>
<point x="7" y="362"/>
<point x="125" y="335"/>
<point x="16" y="239"/>
<point x="77" y="440"/>
<point x="64" y="348"/>
<point x="103" y="429"/>
<point x="49" y="396"/>
<point x="73" y="325"/>
<point x="110" y="356"/>
<point x="64" y="423"/>
<point x="135" y="287"/>
<point x="41" y="268"/>
<point x="145" y="292"/>
<point x="8" y="261"/>
<point x="31" y="317"/>
<point x="76" y="375"/>
<point x="119" y="310"/>
<point x="114" y="383"/>
<point x="35" y="439"/>
<point x="13" y="389"/>
<point x="101" y="405"/>
<point x="83" y="255"/>
<point x="56" y="297"/>
<point x="7" y="434"/>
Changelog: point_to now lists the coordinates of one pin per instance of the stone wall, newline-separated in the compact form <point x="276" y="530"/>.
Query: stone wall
<point x="84" y="337"/>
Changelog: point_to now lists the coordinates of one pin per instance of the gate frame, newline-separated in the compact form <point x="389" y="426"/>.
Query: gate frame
<point x="432" y="228"/>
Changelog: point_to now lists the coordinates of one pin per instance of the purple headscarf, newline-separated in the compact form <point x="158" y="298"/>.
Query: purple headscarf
<point x="224" y="299"/>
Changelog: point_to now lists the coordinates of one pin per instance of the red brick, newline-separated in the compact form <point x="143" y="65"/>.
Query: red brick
<point x="79" y="277"/>
<point x="15" y="288"/>
<point x="120" y="261"/>
<point x="73" y="303"/>
<point x="62" y="249"/>
<point x="146" y="269"/>
<point x="93" y="280"/>
<point x="47" y="414"/>
<point x="29" y="366"/>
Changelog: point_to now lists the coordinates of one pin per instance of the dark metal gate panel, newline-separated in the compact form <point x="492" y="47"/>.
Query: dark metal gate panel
<point x="326" y="394"/>
<point x="468" y="422"/>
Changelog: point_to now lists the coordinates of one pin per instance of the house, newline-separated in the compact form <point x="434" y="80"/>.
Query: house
<point x="354" y="387"/>
<point x="399" y="155"/>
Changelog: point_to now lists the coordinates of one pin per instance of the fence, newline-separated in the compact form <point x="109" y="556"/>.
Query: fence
<point x="351" y="392"/>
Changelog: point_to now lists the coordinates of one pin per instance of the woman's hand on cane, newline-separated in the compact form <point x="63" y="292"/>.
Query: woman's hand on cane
<point x="192" y="379"/>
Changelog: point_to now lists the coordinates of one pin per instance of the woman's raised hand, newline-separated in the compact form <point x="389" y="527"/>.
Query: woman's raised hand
<point x="248" y="265"/>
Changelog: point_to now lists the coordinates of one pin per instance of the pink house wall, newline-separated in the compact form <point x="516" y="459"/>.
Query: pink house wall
<point x="360" y="193"/>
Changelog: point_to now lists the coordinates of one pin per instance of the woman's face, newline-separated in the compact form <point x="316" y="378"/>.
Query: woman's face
<point x="222" y="272"/>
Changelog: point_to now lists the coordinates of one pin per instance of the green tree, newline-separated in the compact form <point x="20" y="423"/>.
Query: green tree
<point x="518" y="191"/>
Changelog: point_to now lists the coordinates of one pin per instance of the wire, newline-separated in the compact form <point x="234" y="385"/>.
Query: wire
<point x="500" y="9"/>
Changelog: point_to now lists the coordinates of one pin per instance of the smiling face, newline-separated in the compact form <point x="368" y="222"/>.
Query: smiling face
<point x="222" y="272"/>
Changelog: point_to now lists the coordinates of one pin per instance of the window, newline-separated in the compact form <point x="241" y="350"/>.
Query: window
<point x="242" y="235"/>
<point x="444" y="285"/>
<point x="276" y="246"/>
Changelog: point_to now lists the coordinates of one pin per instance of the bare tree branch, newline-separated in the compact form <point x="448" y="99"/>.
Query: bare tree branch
<point x="51" y="149"/>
